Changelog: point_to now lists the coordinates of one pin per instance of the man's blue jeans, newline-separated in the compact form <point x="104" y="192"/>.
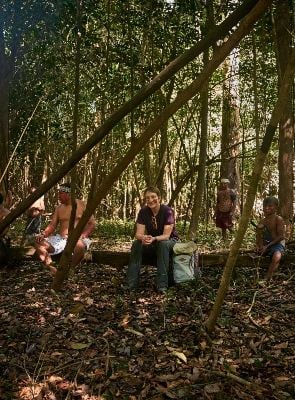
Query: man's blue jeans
<point x="163" y="252"/>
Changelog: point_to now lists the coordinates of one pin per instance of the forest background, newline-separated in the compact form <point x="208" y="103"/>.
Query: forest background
<point x="66" y="67"/>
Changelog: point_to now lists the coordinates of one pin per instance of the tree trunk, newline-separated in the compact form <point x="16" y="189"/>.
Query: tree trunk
<point x="283" y="98"/>
<point x="230" y="123"/>
<point x="182" y="97"/>
<point x="4" y="99"/>
<point x="215" y="34"/>
<point x="204" y="99"/>
<point x="75" y="116"/>
<point x="283" y="29"/>
<point x="163" y="150"/>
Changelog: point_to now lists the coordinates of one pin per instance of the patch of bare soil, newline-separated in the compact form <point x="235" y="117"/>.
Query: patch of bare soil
<point x="95" y="340"/>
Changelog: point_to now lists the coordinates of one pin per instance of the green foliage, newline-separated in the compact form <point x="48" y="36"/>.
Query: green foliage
<point x="115" y="229"/>
<point x="125" y="44"/>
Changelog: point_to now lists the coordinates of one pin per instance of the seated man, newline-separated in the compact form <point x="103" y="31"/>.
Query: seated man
<point x="270" y="235"/>
<point x="48" y="244"/>
<point x="34" y="220"/>
<point x="4" y="241"/>
<point x="155" y="234"/>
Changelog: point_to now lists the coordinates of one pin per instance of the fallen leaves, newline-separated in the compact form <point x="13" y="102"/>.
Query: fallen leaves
<point x="79" y="346"/>
<point x="94" y="341"/>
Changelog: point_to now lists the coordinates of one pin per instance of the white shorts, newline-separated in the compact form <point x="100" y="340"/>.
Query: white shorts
<point x="59" y="242"/>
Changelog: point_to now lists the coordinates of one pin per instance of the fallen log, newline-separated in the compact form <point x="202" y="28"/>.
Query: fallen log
<point x="245" y="258"/>
<point x="121" y="258"/>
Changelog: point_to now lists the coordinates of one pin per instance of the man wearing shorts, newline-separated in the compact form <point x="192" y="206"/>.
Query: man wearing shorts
<point x="49" y="244"/>
<point x="270" y="235"/>
<point x="34" y="220"/>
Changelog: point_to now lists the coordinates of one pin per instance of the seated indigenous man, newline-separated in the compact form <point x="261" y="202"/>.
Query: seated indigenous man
<point x="34" y="220"/>
<point x="270" y="235"/>
<point x="4" y="241"/>
<point x="48" y="244"/>
<point x="155" y="234"/>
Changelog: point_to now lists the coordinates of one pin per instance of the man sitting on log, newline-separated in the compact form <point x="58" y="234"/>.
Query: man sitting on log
<point x="4" y="241"/>
<point x="155" y="235"/>
<point x="48" y="244"/>
<point x="34" y="220"/>
<point x="270" y="235"/>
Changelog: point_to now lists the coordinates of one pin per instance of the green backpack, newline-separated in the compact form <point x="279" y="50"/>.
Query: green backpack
<point x="185" y="262"/>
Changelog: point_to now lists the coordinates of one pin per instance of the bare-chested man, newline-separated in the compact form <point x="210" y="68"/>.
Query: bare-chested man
<point x="270" y="235"/>
<point x="225" y="207"/>
<point x="4" y="242"/>
<point x="48" y="244"/>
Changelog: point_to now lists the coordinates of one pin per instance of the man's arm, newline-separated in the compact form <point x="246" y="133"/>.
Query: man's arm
<point x="233" y="198"/>
<point x="166" y="233"/>
<point x="280" y="230"/>
<point x="148" y="239"/>
<point x="141" y="235"/>
<point x="89" y="228"/>
<point x="259" y="236"/>
<point x="52" y="225"/>
<point x="140" y="231"/>
<point x="216" y="204"/>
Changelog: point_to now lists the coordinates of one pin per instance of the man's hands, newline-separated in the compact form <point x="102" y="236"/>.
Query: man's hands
<point x="40" y="237"/>
<point x="261" y="249"/>
<point x="148" y="239"/>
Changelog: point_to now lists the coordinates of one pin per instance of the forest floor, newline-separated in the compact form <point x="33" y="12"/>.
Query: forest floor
<point x="97" y="341"/>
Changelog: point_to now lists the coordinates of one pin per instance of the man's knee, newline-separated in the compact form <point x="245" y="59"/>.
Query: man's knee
<point x="277" y="256"/>
<point x="164" y="244"/>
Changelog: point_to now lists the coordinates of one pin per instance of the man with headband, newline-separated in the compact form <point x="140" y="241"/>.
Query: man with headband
<point x="49" y="244"/>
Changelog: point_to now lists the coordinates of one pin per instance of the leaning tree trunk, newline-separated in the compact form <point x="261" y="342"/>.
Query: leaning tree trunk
<point x="256" y="174"/>
<point x="182" y="98"/>
<point x="215" y="34"/>
<point x="283" y="32"/>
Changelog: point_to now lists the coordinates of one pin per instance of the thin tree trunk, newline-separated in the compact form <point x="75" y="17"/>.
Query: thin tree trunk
<point x="247" y="210"/>
<point x="204" y="99"/>
<point x="7" y="66"/>
<point x="75" y="115"/>
<point x="230" y="123"/>
<point x="283" y="31"/>
<point x="255" y="92"/>
<point x="243" y="29"/>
